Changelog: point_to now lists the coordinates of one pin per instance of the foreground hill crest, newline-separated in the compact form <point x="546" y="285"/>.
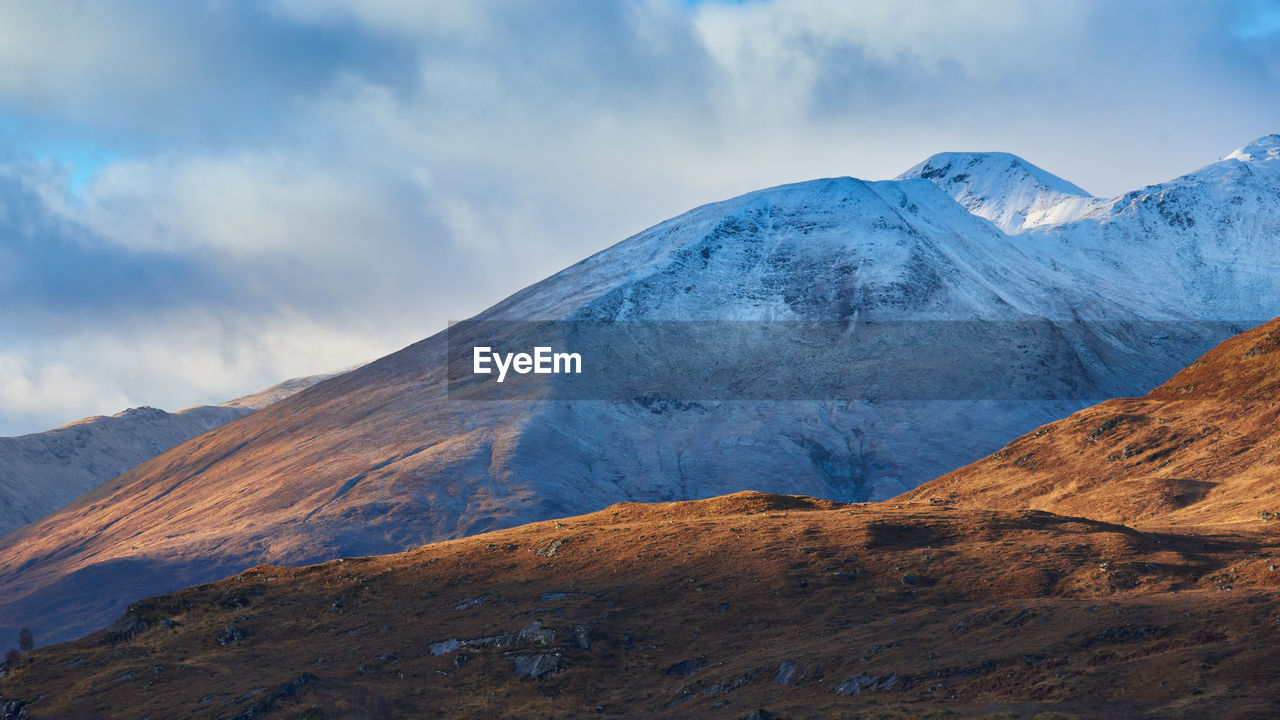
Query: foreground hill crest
<point x="1198" y="450"/>
<point x="711" y="608"/>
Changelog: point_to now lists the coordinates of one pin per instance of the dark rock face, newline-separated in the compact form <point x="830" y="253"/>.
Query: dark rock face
<point x="126" y="627"/>
<point x="234" y="634"/>
<point x="535" y="634"/>
<point x="862" y="683"/>
<point x="471" y="602"/>
<point x="688" y="667"/>
<point x="13" y="710"/>
<point x="523" y="648"/>
<point x="282" y="691"/>
<point x="582" y="637"/>
<point x="537" y="665"/>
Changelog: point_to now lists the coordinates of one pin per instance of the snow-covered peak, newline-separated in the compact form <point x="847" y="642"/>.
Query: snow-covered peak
<point x="1261" y="150"/>
<point x="1005" y="189"/>
<point x="888" y="250"/>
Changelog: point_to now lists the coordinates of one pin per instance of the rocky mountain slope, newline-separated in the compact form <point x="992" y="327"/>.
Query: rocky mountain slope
<point x="1200" y="449"/>
<point x="392" y="455"/>
<point x="720" y="609"/>
<point x="41" y="472"/>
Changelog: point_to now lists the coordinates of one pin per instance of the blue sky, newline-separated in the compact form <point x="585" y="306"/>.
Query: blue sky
<point x="198" y="199"/>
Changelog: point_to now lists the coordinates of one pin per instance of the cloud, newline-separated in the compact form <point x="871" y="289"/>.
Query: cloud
<point x="171" y="357"/>
<point x="400" y="17"/>
<point x="198" y="199"/>
<point x="89" y="325"/>
<point x="152" y="76"/>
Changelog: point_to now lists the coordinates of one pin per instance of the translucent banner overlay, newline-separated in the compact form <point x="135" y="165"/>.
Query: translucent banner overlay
<point x="682" y="362"/>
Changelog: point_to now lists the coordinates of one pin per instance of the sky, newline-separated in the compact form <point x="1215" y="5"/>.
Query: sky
<point x="200" y="199"/>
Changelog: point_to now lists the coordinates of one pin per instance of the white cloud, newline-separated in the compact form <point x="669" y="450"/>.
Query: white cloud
<point x="55" y="53"/>
<point x="171" y="361"/>
<point x="51" y="394"/>
<point x="430" y="17"/>
<point x="244" y="205"/>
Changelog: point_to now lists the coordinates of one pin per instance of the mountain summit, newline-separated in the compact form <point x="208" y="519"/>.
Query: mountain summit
<point x="1005" y="189"/>
<point x="1263" y="149"/>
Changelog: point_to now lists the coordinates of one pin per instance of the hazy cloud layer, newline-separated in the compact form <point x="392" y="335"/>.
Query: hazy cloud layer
<point x="199" y="199"/>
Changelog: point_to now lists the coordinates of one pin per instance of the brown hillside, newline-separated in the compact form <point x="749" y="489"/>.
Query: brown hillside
<point x="1204" y="448"/>
<point x="709" y="609"/>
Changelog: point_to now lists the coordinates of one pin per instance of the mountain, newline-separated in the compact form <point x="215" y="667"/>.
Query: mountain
<point x="1015" y="330"/>
<point x="282" y="390"/>
<point x="41" y="472"/>
<point x="1198" y="450"/>
<point x="747" y="606"/>
<point x="1205" y="242"/>
<point x="1005" y="189"/>
<point x="1201" y="246"/>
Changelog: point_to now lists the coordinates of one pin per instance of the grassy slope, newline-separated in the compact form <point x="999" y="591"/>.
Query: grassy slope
<point x="1202" y="449"/>
<point x="966" y="613"/>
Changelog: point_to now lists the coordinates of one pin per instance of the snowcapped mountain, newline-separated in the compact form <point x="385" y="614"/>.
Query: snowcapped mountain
<point x="1005" y="189"/>
<point x="820" y="250"/>
<point x="1264" y="149"/>
<point x="1206" y="244"/>
<point x="1087" y="299"/>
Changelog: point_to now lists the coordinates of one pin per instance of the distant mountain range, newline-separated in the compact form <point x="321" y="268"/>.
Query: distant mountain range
<point x="41" y="472"/>
<point x="1082" y="298"/>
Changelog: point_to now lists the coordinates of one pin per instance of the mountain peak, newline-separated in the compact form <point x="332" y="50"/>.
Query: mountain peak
<point x="1261" y="150"/>
<point x="1005" y="189"/>
<point x="959" y="166"/>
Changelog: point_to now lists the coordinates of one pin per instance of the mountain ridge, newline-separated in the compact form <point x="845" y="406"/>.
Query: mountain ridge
<point x="41" y="472"/>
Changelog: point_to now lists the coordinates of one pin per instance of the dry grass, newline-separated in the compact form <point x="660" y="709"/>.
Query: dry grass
<point x="930" y="611"/>
<point x="1202" y="449"/>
